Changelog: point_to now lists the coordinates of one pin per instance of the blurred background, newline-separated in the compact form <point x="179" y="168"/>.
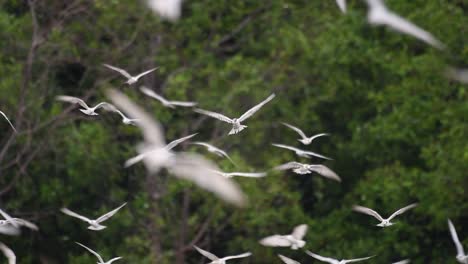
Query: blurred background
<point x="398" y="128"/>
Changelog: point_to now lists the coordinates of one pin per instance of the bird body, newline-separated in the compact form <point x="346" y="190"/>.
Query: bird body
<point x="335" y="261"/>
<point x="301" y="168"/>
<point x="293" y="240"/>
<point x="304" y="139"/>
<point x="130" y="79"/>
<point x="216" y="260"/>
<point x="15" y="222"/>
<point x="94" y="224"/>
<point x="87" y="110"/>
<point x="383" y="222"/>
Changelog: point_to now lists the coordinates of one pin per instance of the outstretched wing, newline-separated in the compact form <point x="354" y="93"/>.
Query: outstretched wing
<point x="299" y="131"/>
<point x="183" y="103"/>
<point x="299" y="231"/>
<point x="8" y="120"/>
<point x="92" y="252"/>
<point x="406" y="261"/>
<point x="73" y="214"/>
<point x="325" y="172"/>
<point x="324" y="259"/>
<point x="106" y="106"/>
<point x="402" y="210"/>
<point x="275" y="241"/>
<point x="146" y="72"/>
<point x="26" y="223"/>
<point x="254" y="109"/>
<point x="289" y="165"/>
<point x="368" y="211"/>
<point x="248" y="174"/>
<point x="114" y="259"/>
<point x="9" y="254"/>
<point x="73" y="100"/>
<point x="288" y="260"/>
<point x="207" y="254"/>
<point x="356" y="260"/>
<point x="121" y="71"/>
<point x="109" y="214"/>
<point x="152" y="94"/>
<point x="243" y="255"/>
<point x="214" y="115"/>
<point x="456" y="240"/>
<point x="8" y="218"/>
<point x="285" y="147"/>
<point x="176" y="142"/>
<point x="342" y="5"/>
<point x="311" y="153"/>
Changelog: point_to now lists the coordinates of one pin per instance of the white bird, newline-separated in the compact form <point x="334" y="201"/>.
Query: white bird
<point x="461" y="256"/>
<point x="168" y="148"/>
<point x="166" y="103"/>
<point x="342" y="5"/>
<point x="215" y="150"/>
<point x="8" y="120"/>
<point x="300" y="152"/>
<point x="16" y="222"/>
<point x="85" y="108"/>
<point x="293" y="240"/>
<point x="406" y="261"/>
<point x="94" y="224"/>
<point x="334" y="261"/>
<point x="460" y="75"/>
<point x="242" y="174"/>
<point x="101" y="261"/>
<point x="236" y="122"/>
<point x="130" y="79"/>
<point x="304" y="140"/>
<point x="187" y="166"/>
<point x="378" y="14"/>
<point x="301" y="168"/>
<point x="288" y="260"/>
<point x="125" y="119"/>
<point x="384" y="222"/>
<point x="9" y="254"/>
<point x="215" y="260"/>
<point x="166" y="9"/>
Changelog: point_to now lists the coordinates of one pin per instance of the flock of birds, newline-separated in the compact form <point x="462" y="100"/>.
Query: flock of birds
<point x="156" y="155"/>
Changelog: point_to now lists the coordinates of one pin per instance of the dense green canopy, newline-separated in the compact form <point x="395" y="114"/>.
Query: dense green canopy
<point x="398" y="128"/>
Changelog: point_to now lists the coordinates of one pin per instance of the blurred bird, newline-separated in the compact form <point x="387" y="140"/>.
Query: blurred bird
<point x="461" y="256"/>
<point x="242" y="174"/>
<point x="334" y="261"/>
<point x="300" y="152"/>
<point x="215" y="150"/>
<point x="8" y="120"/>
<point x="182" y="165"/>
<point x="305" y="140"/>
<point x="459" y="75"/>
<point x="215" y="260"/>
<point x="16" y="222"/>
<point x="236" y="122"/>
<point x="131" y="79"/>
<point x="125" y="119"/>
<point x="293" y="240"/>
<point x="342" y="5"/>
<point x="166" y="9"/>
<point x="86" y="109"/>
<point x="9" y="254"/>
<point x="378" y="14"/>
<point x="406" y="261"/>
<point x="166" y="103"/>
<point x="93" y="224"/>
<point x="101" y="261"/>
<point x="288" y="260"/>
<point x="384" y="222"/>
<point x="301" y="168"/>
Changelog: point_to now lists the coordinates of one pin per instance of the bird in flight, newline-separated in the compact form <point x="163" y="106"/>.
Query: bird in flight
<point x="8" y="253"/>
<point x="459" y="75"/>
<point x="300" y="152"/>
<point x="342" y="5"/>
<point x="236" y="122"/>
<point x="101" y="261"/>
<point x="301" y="168"/>
<point x="294" y="240"/>
<point x="461" y="256"/>
<point x="215" y="150"/>
<point x="85" y="108"/>
<point x="94" y="224"/>
<point x="379" y="14"/>
<point x="215" y="260"/>
<point x="16" y="222"/>
<point x="8" y="120"/>
<point x="304" y="140"/>
<point x="242" y="174"/>
<point x="130" y="79"/>
<point x="288" y="260"/>
<point x="125" y="119"/>
<point x="166" y="9"/>
<point x="406" y="261"/>
<point x="186" y="166"/>
<point x="384" y="222"/>
<point x="166" y="103"/>
<point x="334" y="261"/>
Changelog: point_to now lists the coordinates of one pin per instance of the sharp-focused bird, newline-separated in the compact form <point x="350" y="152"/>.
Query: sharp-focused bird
<point x="187" y="166"/>
<point x="94" y="224"/>
<point x="301" y="168"/>
<point x="215" y="150"/>
<point x="242" y="174"/>
<point x="8" y="120"/>
<point x="304" y="139"/>
<point x="215" y="260"/>
<point x="8" y="253"/>
<point x="461" y="256"/>
<point x="166" y="103"/>
<point x="293" y="240"/>
<point x="101" y="261"/>
<point x="16" y="222"/>
<point x="379" y="14"/>
<point x="288" y="260"/>
<point x="342" y="5"/>
<point x="300" y="152"/>
<point x="236" y="122"/>
<point x="384" y="222"/>
<point x="166" y="9"/>
<point x="85" y="108"/>
<point x="130" y="79"/>
<point x="335" y="261"/>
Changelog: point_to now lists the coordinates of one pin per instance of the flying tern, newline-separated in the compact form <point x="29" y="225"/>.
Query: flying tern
<point x="300" y="152"/>
<point x="85" y="108"/>
<point x="384" y="222"/>
<point x="101" y="261"/>
<point x="301" y="168"/>
<point x="94" y="224"/>
<point x="16" y="222"/>
<point x="215" y="260"/>
<point x="293" y="240"/>
<point x="304" y="140"/>
<point x="130" y="79"/>
<point x="334" y="261"/>
<point x="215" y="150"/>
